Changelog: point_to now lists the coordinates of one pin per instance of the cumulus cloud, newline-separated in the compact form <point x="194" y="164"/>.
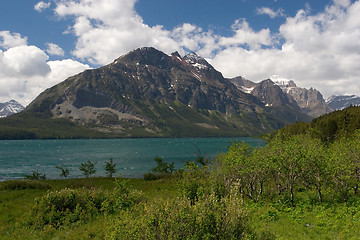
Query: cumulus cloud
<point x="40" y="6"/>
<point x="25" y="72"/>
<point x="316" y="50"/>
<point x="320" y="51"/>
<point x="9" y="40"/>
<point x="54" y="49"/>
<point x="271" y="13"/>
<point x="244" y="35"/>
<point x="106" y="29"/>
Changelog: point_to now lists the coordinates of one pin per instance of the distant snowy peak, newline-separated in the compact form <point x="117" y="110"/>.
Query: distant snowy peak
<point x="196" y="61"/>
<point x="282" y="82"/>
<point x="343" y="101"/>
<point x="10" y="108"/>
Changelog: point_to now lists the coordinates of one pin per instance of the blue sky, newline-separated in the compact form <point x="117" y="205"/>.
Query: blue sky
<point x="315" y="43"/>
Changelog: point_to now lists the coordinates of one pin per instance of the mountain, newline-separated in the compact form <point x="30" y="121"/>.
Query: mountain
<point x="147" y="93"/>
<point x="310" y="100"/>
<point x="10" y="108"/>
<point x="276" y="92"/>
<point x="342" y="102"/>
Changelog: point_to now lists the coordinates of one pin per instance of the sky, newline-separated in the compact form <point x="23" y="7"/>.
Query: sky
<point x="314" y="43"/>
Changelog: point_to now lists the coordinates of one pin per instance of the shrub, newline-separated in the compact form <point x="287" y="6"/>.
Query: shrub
<point x="163" y="167"/>
<point x="36" y="176"/>
<point x="69" y="206"/>
<point x="23" y="184"/>
<point x="177" y="219"/>
<point x="156" y="176"/>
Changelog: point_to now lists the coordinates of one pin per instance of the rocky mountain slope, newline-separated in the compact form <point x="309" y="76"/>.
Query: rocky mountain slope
<point x="310" y="100"/>
<point x="10" y="108"/>
<point x="149" y="93"/>
<point x="277" y="91"/>
<point x="343" y="101"/>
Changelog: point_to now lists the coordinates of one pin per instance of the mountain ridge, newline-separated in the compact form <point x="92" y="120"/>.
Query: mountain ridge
<point x="147" y="93"/>
<point x="277" y="91"/>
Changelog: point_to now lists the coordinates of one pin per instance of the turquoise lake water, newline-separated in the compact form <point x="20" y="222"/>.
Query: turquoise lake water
<point x="133" y="157"/>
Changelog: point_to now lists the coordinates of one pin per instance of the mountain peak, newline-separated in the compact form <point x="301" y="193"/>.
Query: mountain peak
<point x="9" y="108"/>
<point x="282" y="82"/>
<point x="197" y="61"/>
<point x="343" y="101"/>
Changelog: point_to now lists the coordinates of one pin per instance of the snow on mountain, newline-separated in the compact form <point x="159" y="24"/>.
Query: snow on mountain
<point x="343" y="101"/>
<point x="310" y="100"/>
<point x="196" y="61"/>
<point x="279" y="81"/>
<point x="10" y="108"/>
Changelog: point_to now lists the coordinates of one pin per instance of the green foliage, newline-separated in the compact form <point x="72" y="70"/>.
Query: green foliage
<point x="125" y="197"/>
<point x="288" y="166"/>
<point x="110" y="167"/>
<point x="69" y="206"/>
<point x="88" y="168"/>
<point x="65" y="171"/>
<point x="328" y="128"/>
<point x="192" y="184"/>
<point x="163" y="167"/>
<point x="35" y="176"/>
<point x="177" y="219"/>
<point x="77" y="206"/>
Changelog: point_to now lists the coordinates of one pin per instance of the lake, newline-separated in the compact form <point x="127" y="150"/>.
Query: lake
<point x="133" y="157"/>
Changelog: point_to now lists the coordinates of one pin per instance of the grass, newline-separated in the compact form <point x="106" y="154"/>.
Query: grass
<point x="305" y="221"/>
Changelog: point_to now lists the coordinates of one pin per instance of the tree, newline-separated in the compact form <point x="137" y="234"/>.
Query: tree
<point x="289" y="161"/>
<point x="163" y="167"/>
<point x="235" y="166"/>
<point x="316" y="167"/>
<point x="88" y="168"/>
<point x="110" y="167"/>
<point x="65" y="171"/>
<point x="345" y="165"/>
<point x="35" y="176"/>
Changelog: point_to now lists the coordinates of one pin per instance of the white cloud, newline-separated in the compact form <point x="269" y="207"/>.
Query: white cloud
<point x="40" y="6"/>
<point x="107" y="29"/>
<point x="244" y="35"/>
<point x="25" y="61"/>
<point x="54" y="49"/>
<point x="321" y="51"/>
<point x="25" y="72"/>
<point x="9" y="40"/>
<point x="271" y="13"/>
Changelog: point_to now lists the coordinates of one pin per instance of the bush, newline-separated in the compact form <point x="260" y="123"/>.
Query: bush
<point x="24" y="184"/>
<point x="36" y="176"/>
<point x="163" y="167"/>
<point x="69" y="206"/>
<point x="177" y="219"/>
<point x="156" y="176"/>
